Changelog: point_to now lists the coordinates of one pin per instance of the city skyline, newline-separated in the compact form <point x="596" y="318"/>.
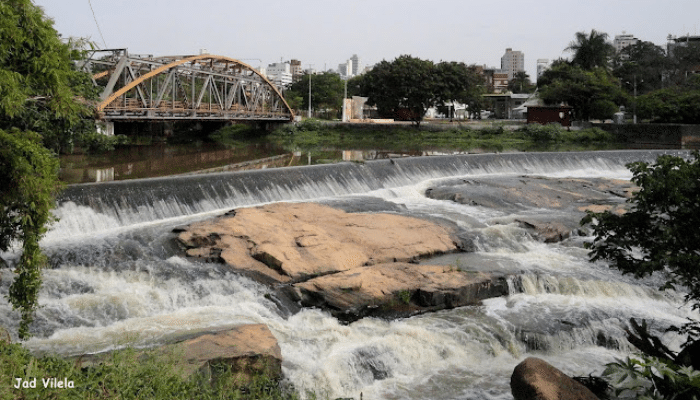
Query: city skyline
<point x="323" y="35"/>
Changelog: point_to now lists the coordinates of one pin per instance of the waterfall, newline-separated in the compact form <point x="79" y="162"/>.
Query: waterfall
<point x="116" y="278"/>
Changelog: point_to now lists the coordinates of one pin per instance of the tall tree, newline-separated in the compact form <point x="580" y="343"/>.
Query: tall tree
<point x="592" y="50"/>
<point x="642" y="64"/>
<point x="327" y="90"/>
<point x="593" y="93"/>
<point x="404" y="88"/>
<point x="520" y="83"/>
<point x="38" y="92"/>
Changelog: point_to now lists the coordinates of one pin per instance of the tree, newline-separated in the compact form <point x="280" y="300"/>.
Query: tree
<point x="327" y="90"/>
<point x="520" y="83"/>
<point x="659" y="234"/>
<point x="642" y="64"/>
<point x="592" y="93"/>
<point x="592" y="50"/>
<point x="39" y="89"/>
<point x="456" y="81"/>
<point x="404" y="88"/>
<point x="661" y="230"/>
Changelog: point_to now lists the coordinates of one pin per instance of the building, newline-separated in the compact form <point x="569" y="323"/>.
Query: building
<point x="512" y="62"/>
<point x="356" y="65"/>
<point x="496" y="80"/>
<point x="296" y="70"/>
<point x="543" y="64"/>
<point x="674" y="42"/>
<point x="279" y="73"/>
<point x="624" y="40"/>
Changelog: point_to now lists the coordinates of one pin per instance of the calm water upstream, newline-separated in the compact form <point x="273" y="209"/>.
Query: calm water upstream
<point x="117" y="279"/>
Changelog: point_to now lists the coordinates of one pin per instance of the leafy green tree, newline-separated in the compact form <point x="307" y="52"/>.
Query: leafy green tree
<point x="592" y="50"/>
<point x="327" y="91"/>
<point x="521" y="83"/>
<point x="40" y="92"/>
<point x="643" y="64"/>
<point x="404" y="88"/>
<point x="684" y="60"/>
<point x="677" y="104"/>
<point x="456" y="81"/>
<point x="659" y="234"/>
<point x="592" y="93"/>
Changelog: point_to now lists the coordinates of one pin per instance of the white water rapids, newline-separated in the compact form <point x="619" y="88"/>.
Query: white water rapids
<point x="117" y="279"/>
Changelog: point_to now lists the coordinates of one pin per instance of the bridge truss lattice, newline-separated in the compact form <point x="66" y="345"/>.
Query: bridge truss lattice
<point x="200" y="87"/>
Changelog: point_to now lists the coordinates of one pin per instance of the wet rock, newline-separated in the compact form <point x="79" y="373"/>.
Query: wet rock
<point x="245" y="351"/>
<point x="536" y="379"/>
<point x="548" y="231"/>
<point x="292" y="242"/>
<point x="397" y="289"/>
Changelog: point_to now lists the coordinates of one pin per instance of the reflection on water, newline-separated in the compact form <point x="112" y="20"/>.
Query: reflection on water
<point x="165" y="159"/>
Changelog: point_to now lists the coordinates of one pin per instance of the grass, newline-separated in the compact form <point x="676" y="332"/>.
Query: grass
<point x="126" y="374"/>
<point x="312" y="135"/>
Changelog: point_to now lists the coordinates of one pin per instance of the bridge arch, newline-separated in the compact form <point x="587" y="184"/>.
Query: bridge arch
<point x="187" y="87"/>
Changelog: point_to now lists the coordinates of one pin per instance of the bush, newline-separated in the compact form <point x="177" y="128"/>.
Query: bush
<point x="541" y="133"/>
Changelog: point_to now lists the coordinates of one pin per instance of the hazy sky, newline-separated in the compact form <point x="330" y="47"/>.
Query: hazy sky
<point x="325" y="33"/>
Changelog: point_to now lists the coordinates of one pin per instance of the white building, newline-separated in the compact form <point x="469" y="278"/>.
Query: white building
<point x="624" y="40"/>
<point x="512" y="62"/>
<point x="279" y="73"/>
<point x="356" y="65"/>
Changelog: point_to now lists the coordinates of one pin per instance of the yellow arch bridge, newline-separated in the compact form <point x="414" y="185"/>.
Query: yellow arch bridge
<point x="201" y="87"/>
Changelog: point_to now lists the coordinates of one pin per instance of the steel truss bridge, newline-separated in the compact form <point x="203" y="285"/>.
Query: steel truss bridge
<point x="201" y="87"/>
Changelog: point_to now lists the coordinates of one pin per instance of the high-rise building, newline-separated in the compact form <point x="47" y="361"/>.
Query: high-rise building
<point x="279" y="73"/>
<point x="512" y="62"/>
<point x="356" y="65"/>
<point x="624" y="40"/>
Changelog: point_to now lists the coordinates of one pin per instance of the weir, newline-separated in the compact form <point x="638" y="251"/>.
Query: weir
<point x="117" y="279"/>
<point x="126" y="203"/>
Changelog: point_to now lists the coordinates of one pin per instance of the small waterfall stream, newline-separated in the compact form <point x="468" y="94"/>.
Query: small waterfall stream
<point x="117" y="279"/>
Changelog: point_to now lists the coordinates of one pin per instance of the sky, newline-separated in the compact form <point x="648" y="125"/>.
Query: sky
<point x="325" y="33"/>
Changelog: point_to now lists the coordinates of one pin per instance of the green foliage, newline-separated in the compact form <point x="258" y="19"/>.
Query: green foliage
<point x="28" y="172"/>
<point x="660" y="232"/>
<point x="126" y="374"/>
<point x="642" y="64"/>
<point x="327" y="91"/>
<point x="591" y="51"/>
<point x="39" y="88"/>
<point x="593" y="93"/>
<point x="646" y="377"/>
<point x="671" y="105"/>
<point x="521" y="83"/>
<point x="404" y="88"/>
<point x="38" y="82"/>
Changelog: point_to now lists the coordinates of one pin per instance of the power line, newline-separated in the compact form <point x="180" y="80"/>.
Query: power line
<point x="98" y="25"/>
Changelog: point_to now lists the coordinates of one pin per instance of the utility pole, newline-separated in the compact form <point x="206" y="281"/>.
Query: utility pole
<point x="310" y="65"/>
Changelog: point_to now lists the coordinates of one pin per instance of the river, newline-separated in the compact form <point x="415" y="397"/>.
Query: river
<point x="117" y="278"/>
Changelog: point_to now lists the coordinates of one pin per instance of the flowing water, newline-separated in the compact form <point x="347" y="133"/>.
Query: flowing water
<point x="117" y="279"/>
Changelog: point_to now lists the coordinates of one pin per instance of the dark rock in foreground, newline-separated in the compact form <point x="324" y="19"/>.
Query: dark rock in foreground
<point x="536" y="379"/>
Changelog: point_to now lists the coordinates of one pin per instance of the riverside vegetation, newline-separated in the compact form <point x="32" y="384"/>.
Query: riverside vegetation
<point x="311" y="135"/>
<point x="124" y="374"/>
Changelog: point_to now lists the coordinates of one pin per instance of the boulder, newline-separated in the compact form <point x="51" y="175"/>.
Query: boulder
<point x="536" y="379"/>
<point x="244" y="351"/>
<point x="397" y="290"/>
<point x="292" y="242"/>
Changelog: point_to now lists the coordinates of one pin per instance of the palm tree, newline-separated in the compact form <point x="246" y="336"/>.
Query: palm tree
<point x="592" y="50"/>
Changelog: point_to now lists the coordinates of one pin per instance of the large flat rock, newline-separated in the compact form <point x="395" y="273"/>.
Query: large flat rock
<point x="351" y="264"/>
<point x="397" y="289"/>
<point x="291" y="242"/>
<point x="567" y="198"/>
